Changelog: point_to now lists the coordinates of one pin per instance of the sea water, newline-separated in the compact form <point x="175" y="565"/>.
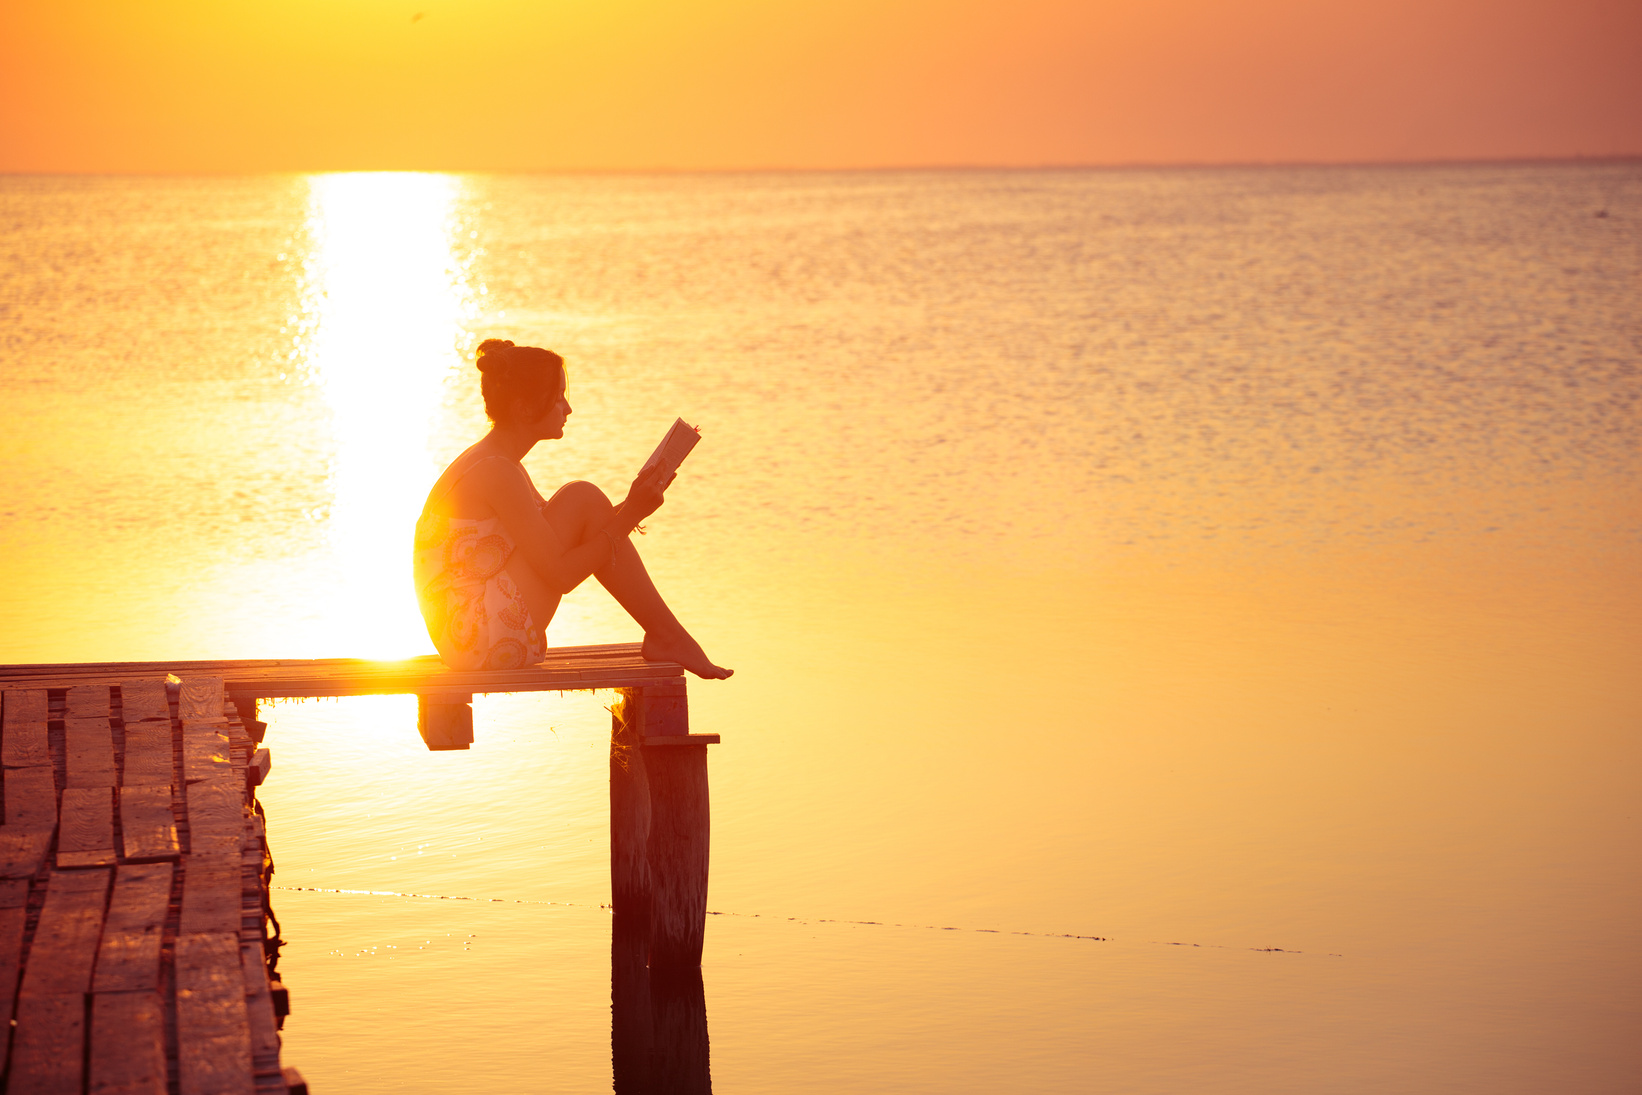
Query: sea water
<point x="1185" y="621"/>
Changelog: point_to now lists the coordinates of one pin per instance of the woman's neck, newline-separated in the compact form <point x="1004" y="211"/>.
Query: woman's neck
<point x="509" y="442"/>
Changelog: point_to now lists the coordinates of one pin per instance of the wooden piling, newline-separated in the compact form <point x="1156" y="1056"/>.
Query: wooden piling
<point x="445" y="719"/>
<point x="679" y="831"/>
<point x="629" y="815"/>
<point x="659" y="803"/>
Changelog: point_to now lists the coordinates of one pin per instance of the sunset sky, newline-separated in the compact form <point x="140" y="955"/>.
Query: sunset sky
<point x="226" y="85"/>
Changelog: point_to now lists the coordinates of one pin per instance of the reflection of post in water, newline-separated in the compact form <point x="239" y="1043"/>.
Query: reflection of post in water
<point x="658" y="1033"/>
<point x="658" y="1037"/>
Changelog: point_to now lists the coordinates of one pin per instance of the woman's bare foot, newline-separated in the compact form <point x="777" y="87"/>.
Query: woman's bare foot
<point x="684" y="650"/>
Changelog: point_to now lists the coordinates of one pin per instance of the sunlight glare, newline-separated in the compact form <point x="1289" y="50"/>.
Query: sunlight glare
<point x="385" y="305"/>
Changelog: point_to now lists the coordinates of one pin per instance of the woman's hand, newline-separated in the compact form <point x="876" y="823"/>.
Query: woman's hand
<point x="645" y="496"/>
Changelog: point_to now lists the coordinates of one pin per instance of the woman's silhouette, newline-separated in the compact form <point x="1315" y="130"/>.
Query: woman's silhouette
<point x="493" y="556"/>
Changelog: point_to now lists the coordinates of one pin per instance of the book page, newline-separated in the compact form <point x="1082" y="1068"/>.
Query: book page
<point x="674" y="447"/>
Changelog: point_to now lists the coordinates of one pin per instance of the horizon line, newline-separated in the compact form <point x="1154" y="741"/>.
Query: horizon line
<point x="1127" y="165"/>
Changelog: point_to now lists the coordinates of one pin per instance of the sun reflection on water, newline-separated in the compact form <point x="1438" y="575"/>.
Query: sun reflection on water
<point x="385" y="304"/>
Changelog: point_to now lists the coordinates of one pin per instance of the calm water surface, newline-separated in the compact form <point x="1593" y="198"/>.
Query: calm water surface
<point x="1238" y="566"/>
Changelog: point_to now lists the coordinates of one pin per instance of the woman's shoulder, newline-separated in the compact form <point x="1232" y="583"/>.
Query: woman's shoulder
<point x="496" y="470"/>
<point x="474" y="481"/>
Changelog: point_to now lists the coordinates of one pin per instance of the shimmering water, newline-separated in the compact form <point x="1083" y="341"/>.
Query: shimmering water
<point x="1206" y="561"/>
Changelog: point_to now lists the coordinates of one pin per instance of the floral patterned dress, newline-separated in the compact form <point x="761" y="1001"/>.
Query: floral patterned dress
<point x="475" y="613"/>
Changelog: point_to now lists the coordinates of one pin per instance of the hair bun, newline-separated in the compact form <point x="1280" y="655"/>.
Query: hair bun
<point x="493" y="352"/>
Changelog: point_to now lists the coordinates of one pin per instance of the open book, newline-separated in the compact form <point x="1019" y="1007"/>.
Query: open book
<point x="673" y="449"/>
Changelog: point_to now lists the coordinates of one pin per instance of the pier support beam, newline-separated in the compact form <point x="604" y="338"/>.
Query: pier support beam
<point x="629" y="818"/>
<point x="660" y="822"/>
<point x="445" y="719"/>
<point x="679" y="830"/>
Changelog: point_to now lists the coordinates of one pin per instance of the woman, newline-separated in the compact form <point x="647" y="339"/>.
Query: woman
<point x="493" y="557"/>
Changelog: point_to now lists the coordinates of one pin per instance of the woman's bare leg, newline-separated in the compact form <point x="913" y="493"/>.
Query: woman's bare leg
<point x="577" y="511"/>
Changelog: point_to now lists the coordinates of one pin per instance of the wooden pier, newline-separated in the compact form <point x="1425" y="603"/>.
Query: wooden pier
<point x="134" y="865"/>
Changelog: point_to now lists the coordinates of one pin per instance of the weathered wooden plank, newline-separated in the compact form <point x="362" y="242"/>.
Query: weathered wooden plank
<point x="205" y="753"/>
<point x="228" y="667"/>
<point x="335" y="677"/>
<point x="262" y="762"/>
<point x="211" y="894"/>
<point x="148" y="826"/>
<point x="31" y="798"/>
<point x="216" y="816"/>
<point x="678" y="851"/>
<point x="213" y="1028"/>
<point x="48" y="1048"/>
<point x="263" y="1011"/>
<point x="623" y="676"/>
<point x="65" y="941"/>
<point x="14" y="893"/>
<point x="128" y="958"/>
<point x="22" y="851"/>
<point x="149" y="761"/>
<point x="282" y="685"/>
<point x="25" y="745"/>
<point x="252" y="858"/>
<point x="200" y="698"/>
<point x="142" y="700"/>
<point x="13" y="914"/>
<point x="88" y="745"/>
<point x="24" y="705"/>
<point x="86" y="701"/>
<point x="127" y="1044"/>
<point x="245" y="704"/>
<point x="259" y="1007"/>
<point x="86" y="834"/>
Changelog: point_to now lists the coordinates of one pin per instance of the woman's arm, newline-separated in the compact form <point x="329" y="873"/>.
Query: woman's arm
<point x="558" y="560"/>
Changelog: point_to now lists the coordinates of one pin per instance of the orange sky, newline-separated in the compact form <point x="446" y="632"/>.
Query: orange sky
<point x="256" y="85"/>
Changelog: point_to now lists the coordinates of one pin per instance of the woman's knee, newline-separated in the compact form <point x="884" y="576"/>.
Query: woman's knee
<point x="581" y="496"/>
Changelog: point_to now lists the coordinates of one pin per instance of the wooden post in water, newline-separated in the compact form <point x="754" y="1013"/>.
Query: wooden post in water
<point x="659" y="804"/>
<point x="629" y="818"/>
<point x="676" y="763"/>
<point x="445" y="719"/>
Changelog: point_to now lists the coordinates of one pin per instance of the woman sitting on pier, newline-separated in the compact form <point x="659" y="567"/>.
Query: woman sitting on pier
<point x="493" y="556"/>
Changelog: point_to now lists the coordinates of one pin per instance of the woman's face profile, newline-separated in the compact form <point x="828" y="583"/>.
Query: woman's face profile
<point x="550" y="424"/>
